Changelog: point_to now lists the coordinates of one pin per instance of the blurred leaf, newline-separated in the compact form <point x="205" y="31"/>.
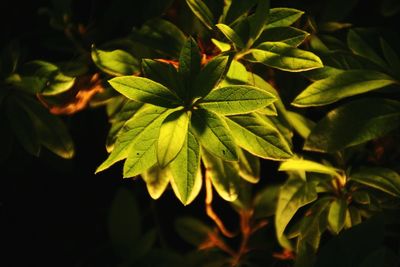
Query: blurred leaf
<point x="173" y="132"/>
<point x="237" y="9"/>
<point x="231" y="35"/>
<point x="192" y="230"/>
<point x="116" y="62"/>
<point x="361" y="197"/>
<point x="209" y="76"/>
<point x="222" y="46"/>
<point x="200" y="9"/>
<point x="285" y="57"/>
<point x="249" y="166"/>
<point x="337" y="10"/>
<point x="265" y="201"/>
<point x="260" y="138"/>
<point x="124" y="223"/>
<point x="294" y="194"/>
<point x="288" y="35"/>
<point x="389" y="7"/>
<point x="185" y="169"/>
<point x="145" y="91"/>
<point x="383" y="179"/>
<point x="337" y="214"/>
<point x="332" y="26"/>
<point x="236" y="99"/>
<point x="156" y="180"/>
<point x="224" y="176"/>
<point x="214" y="134"/>
<point x="367" y="118"/>
<point x="301" y="124"/>
<point x="391" y="57"/>
<point x="295" y="164"/>
<point x="282" y="17"/>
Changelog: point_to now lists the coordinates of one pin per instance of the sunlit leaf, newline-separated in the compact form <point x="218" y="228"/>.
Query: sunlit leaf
<point x="231" y="35"/>
<point x="200" y="9"/>
<point x="192" y="230"/>
<point x="156" y="180"/>
<point x="249" y="166"/>
<point x="282" y="17"/>
<point x="337" y="215"/>
<point x="116" y="62"/>
<point x="288" y="35"/>
<point x="295" y="164"/>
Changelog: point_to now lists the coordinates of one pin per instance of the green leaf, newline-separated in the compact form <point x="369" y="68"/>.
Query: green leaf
<point x="382" y="179"/>
<point x="265" y="201"/>
<point x="116" y="62"/>
<point x="231" y="35"/>
<point x="237" y="74"/>
<point x="192" y="230"/>
<point x="210" y="76"/>
<point x="22" y="126"/>
<point x="301" y="124"/>
<point x="294" y="194"/>
<point x="249" y="166"/>
<point x="391" y="57"/>
<point x="189" y="64"/>
<point x="354" y="123"/>
<point x="156" y="180"/>
<point x="258" y="20"/>
<point x="163" y="73"/>
<point x="222" y="46"/>
<point x="285" y="57"/>
<point x="282" y="17"/>
<point x="40" y="77"/>
<point x="172" y="136"/>
<point x="296" y="164"/>
<point x="224" y="176"/>
<point x="358" y="43"/>
<point x="214" y="134"/>
<point x="145" y="119"/>
<point x="145" y="91"/>
<point x="288" y="35"/>
<point x="142" y="152"/>
<point x="337" y="215"/>
<point x="236" y="99"/>
<point x="344" y="84"/>
<point x="257" y="136"/>
<point x="237" y="9"/>
<point x="51" y="131"/>
<point x="124" y="223"/>
<point x="185" y="169"/>
<point x="202" y="12"/>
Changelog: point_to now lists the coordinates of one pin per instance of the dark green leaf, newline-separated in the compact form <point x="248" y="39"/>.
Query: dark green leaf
<point x="210" y="76"/>
<point x="367" y="118"/>
<point x="237" y="9"/>
<point x="202" y="12"/>
<point x="172" y="136"/>
<point x="156" y="180"/>
<point x="189" y="64"/>
<point x="145" y="91"/>
<point x="344" y="84"/>
<point x="236" y="99"/>
<point x="285" y="57"/>
<point x="337" y="215"/>
<point x="257" y="136"/>
<point x="185" y="169"/>
<point x="214" y="135"/>
<point x="258" y="20"/>
<point x="288" y="35"/>
<point x="224" y="176"/>
<point x="231" y="35"/>
<point x="391" y="57"/>
<point x="265" y="201"/>
<point x="282" y="17"/>
<point x="192" y="230"/>
<point x="383" y="179"/>
<point x="116" y="62"/>
<point x="390" y="7"/>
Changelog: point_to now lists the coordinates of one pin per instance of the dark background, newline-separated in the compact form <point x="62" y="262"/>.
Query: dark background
<point x="53" y="212"/>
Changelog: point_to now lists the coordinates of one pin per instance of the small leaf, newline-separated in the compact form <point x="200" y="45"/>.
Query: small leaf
<point x="294" y="164"/>
<point x="189" y="64"/>
<point x="192" y="230"/>
<point x="142" y="120"/>
<point x="258" y="19"/>
<point x="224" y="176"/>
<point x="260" y="138"/>
<point x="382" y="179"/>
<point x="156" y="180"/>
<point x="357" y="42"/>
<point x="294" y="194"/>
<point x="354" y="123"/>
<point x="222" y="46"/>
<point x="344" y="84"/>
<point x="285" y="57"/>
<point x="249" y="166"/>
<point x="214" y="134"/>
<point x="391" y="57"/>
<point x="282" y="17"/>
<point x="202" y="12"/>
<point x="236" y="75"/>
<point x="337" y="215"/>
<point x="301" y="124"/>
<point x="210" y="76"/>
<point x="172" y="136"/>
<point x="231" y="35"/>
<point x="116" y="62"/>
<point x="124" y="223"/>
<point x="145" y="91"/>
<point x="236" y="99"/>
<point x="288" y="35"/>
<point x="185" y="169"/>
